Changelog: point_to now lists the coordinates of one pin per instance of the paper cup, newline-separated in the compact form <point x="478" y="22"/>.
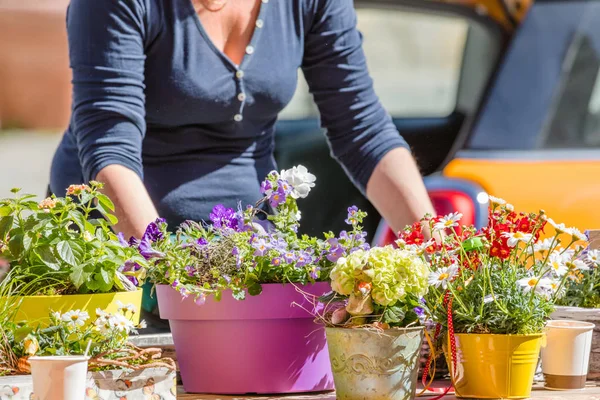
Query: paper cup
<point x="59" y="377"/>
<point x="566" y="354"/>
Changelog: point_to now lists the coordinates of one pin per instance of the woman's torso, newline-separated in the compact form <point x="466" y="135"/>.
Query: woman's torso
<point x="210" y="123"/>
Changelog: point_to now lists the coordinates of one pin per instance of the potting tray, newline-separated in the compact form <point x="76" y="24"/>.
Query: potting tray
<point x="140" y="385"/>
<point x="592" y="392"/>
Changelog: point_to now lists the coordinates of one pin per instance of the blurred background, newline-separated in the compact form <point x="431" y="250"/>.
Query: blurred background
<point x="495" y="97"/>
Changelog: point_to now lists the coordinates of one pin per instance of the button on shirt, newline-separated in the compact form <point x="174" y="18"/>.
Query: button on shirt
<point x="155" y="95"/>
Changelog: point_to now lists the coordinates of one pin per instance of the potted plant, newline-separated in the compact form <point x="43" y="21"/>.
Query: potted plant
<point x="493" y="291"/>
<point x="373" y="323"/>
<point x="262" y="344"/>
<point x="63" y="255"/>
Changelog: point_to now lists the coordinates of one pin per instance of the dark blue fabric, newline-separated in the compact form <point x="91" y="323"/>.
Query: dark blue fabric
<point x="152" y="93"/>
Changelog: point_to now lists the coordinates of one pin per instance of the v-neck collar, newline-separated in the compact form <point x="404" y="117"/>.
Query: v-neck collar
<point x="253" y="39"/>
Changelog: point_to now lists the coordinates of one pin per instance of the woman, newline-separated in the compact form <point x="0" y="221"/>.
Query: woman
<point x="175" y="101"/>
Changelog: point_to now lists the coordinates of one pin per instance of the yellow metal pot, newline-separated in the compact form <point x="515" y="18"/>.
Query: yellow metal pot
<point x="37" y="309"/>
<point x="494" y="366"/>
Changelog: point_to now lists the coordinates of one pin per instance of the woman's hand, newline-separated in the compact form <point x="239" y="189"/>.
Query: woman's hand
<point x="397" y="191"/>
<point x="133" y="206"/>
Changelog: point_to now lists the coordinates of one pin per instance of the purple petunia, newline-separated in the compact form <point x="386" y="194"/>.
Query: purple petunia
<point x="314" y="272"/>
<point x="201" y="242"/>
<point x="122" y="240"/>
<point x="223" y="217"/>
<point x="190" y="270"/>
<point x="153" y="231"/>
<point x="146" y="250"/>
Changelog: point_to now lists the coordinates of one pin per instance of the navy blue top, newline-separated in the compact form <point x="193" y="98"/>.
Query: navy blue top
<point x="151" y="92"/>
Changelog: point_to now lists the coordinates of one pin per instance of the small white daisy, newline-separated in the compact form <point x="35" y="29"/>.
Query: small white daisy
<point x="496" y="201"/>
<point x="539" y="284"/>
<point x="577" y="265"/>
<point x="75" y="318"/>
<point x="443" y="276"/>
<point x="447" y="221"/>
<point x="593" y="256"/>
<point x="121" y="323"/>
<point x="577" y="235"/>
<point x="557" y="262"/>
<point x="124" y="308"/>
<point x="515" y="238"/>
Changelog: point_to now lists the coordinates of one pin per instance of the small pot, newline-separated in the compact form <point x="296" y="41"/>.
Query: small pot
<point x="566" y="354"/>
<point x="59" y="377"/>
<point x="373" y="364"/>
<point x="490" y="366"/>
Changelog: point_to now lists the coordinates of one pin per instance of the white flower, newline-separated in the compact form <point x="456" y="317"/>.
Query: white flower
<point x="443" y="276"/>
<point x="557" y="263"/>
<point x="577" y="235"/>
<point x="510" y="207"/>
<point x="121" y="323"/>
<point x="124" y="308"/>
<point x="555" y="285"/>
<point x="104" y="323"/>
<point x="488" y="299"/>
<point x="101" y="313"/>
<point x="56" y="315"/>
<point x="515" y="238"/>
<point x="543" y="246"/>
<point x="87" y="236"/>
<point x="593" y="256"/>
<point x="496" y="201"/>
<point x="577" y="265"/>
<point x="142" y="325"/>
<point x="540" y="285"/>
<point x="75" y="318"/>
<point x="448" y="221"/>
<point x="559" y="228"/>
<point x="300" y="180"/>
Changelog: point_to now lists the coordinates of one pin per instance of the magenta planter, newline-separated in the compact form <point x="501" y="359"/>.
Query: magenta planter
<point x="259" y="345"/>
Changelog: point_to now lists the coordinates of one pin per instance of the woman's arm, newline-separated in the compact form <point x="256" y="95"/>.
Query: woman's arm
<point x="107" y="41"/>
<point x="361" y="133"/>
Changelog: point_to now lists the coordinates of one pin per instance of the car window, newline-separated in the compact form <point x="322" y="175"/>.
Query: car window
<point x="414" y="60"/>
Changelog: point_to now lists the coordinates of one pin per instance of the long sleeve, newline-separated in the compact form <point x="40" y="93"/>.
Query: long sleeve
<point x="106" y="48"/>
<point x="359" y="130"/>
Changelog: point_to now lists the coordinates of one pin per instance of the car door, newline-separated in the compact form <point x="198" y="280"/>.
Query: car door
<point x="430" y="62"/>
<point x="536" y="142"/>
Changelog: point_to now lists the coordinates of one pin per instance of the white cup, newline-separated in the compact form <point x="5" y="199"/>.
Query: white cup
<point x="59" y="377"/>
<point x="566" y="354"/>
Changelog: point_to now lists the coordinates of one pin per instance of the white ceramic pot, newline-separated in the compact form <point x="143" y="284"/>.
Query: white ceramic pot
<point x="59" y="377"/>
<point x="566" y="354"/>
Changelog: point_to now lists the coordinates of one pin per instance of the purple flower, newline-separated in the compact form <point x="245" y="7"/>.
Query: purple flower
<point x="146" y="250"/>
<point x="277" y="197"/>
<point x="238" y="260"/>
<point x="227" y="278"/>
<point x="284" y="186"/>
<point x="190" y="270"/>
<point x="153" y="232"/>
<point x="200" y="299"/>
<point x="289" y="257"/>
<point x="419" y="311"/>
<point x="223" y="217"/>
<point x="175" y="284"/>
<point x="201" y="242"/>
<point x="133" y="280"/>
<point x="344" y="235"/>
<point x="266" y="187"/>
<point x="261" y="247"/>
<point x="122" y="239"/>
<point x="352" y="212"/>
<point x="133" y="242"/>
<point x="335" y="253"/>
<point x="314" y="273"/>
<point x="276" y="262"/>
<point x="130" y="266"/>
<point x="278" y="244"/>
<point x="304" y="258"/>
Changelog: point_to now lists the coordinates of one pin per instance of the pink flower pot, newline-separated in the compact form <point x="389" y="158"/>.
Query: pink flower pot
<point x="262" y="344"/>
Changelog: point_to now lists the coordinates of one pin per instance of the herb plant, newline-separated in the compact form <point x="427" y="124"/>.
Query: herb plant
<point x="65" y="245"/>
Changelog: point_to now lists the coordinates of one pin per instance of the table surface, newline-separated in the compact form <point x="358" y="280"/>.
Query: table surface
<point x="591" y="392"/>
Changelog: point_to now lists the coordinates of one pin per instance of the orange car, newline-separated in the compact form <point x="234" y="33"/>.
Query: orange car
<point x="494" y="97"/>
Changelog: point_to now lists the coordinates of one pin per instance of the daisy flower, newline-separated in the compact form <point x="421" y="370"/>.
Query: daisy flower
<point x="555" y="285"/>
<point x="577" y="235"/>
<point x="121" y="323"/>
<point x="124" y="308"/>
<point x="543" y="246"/>
<point x="443" y="276"/>
<point x="496" y="201"/>
<point x="540" y="284"/>
<point x="559" y="228"/>
<point x="448" y="221"/>
<point x="557" y="262"/>
<point x="577" y="265"/>
<point x="75" y="318"/>
<point x="515" y="238"/>
<point x="593" y="256"/>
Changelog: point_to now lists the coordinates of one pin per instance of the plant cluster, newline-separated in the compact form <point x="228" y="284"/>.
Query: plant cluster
<point x="583" y="290"/>
<point x="67" y="334"/>
<point x="504" y="278"/>
<point x="382" y="287"/>
<point x="65" y="245"/>
<point x="244" y="248"/>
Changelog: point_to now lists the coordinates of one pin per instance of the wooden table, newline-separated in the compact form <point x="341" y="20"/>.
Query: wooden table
<point x="592" y="392"/>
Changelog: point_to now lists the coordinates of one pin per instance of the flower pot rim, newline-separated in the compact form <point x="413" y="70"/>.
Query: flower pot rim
<point x="53" y="296"/>
<point x="59" y="358"/>
<point x="581" y="325"/>
<point x="376" y="330"/>
<point x="503" y="334"/>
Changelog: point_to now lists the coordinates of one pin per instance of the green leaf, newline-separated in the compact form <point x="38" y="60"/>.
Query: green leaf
<point x="86" y="197"/>
<point x="472" y="244"/>
<point x="79" y="219"/>
<point x="48" y="258"/>
<point x="78" y="276"/>
<point x="5" y="210"/>
<point x="106" y="202"/>
<point x="27" y="239"/>
<point x="6" y="224"/>
<point x="70" y="252"/>
<point x="254" y="289"/>
<point x="239" y="294"/>
<point x="394" y="314"/>
<point x="16" y="245"/>
<point x="15" y="190"/>
<point x="101" y="235"/>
